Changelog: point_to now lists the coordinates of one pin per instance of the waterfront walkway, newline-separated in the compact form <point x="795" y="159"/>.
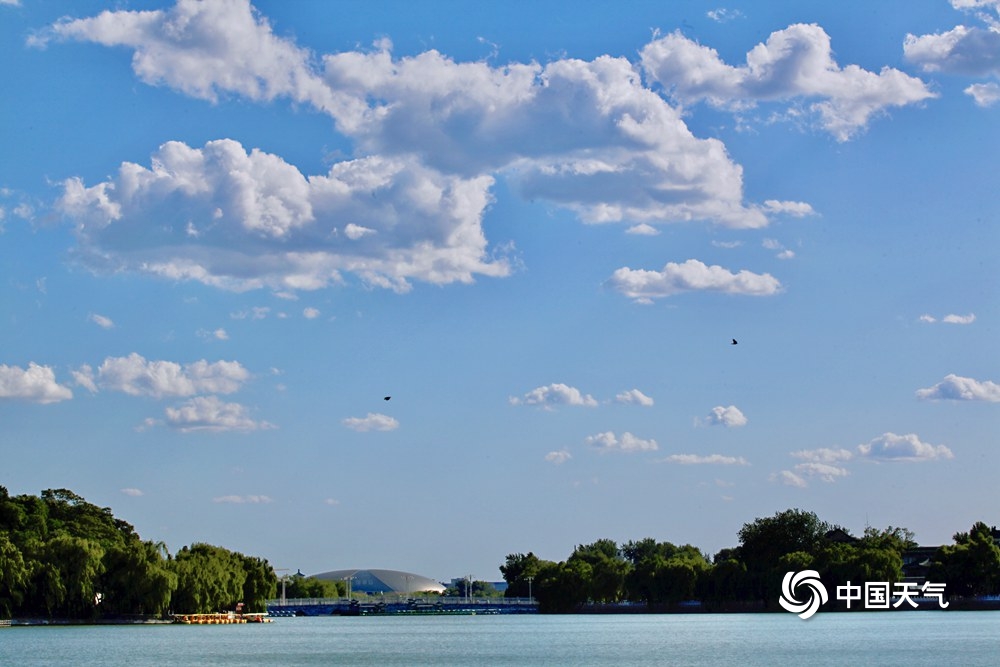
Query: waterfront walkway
<point x="399" y="605"/>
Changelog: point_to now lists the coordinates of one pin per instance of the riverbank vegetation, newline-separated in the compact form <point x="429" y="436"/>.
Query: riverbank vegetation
<point x="62" y="557"/>
<point x="662" y="575"/>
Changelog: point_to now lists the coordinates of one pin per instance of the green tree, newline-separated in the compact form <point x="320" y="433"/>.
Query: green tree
<point x="137" y="579"/>
<point x="764" y="541"/>
<point x="562" y="587"/>
<point x="608" y="570"/>
<point x="971" y="566"/>
<point x="13" y="575"/>
<point x="516" y="571"/>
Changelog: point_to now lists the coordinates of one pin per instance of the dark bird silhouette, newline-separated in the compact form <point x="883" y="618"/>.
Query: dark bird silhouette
<point x="387" y="398"/>
<point x="734" y="342"/>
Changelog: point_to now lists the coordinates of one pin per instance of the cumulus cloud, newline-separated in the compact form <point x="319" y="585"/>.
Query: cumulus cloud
<point x="608" y="442"/>
<point x="373" y="421"/>
<point x="35" y="384"/>
<point x="643" y="285"/>
<point x="634" y="397"/>
<point x="794" y="63"/>
<point x="310" y="313"/>
<point x="984" y="94"/>
<point x="558" y="456"/>
<point x="824" y="471"/>
<point x="965" y="50"/>
<point x="958" y="388"/>
<point x="893" y="447"/>
<point x="730" y="417"/>
<point x="711" y="459"/>
<point x="210" y="413"/>
<point x="431" y="135"/>
<point x="262" y="223"/>
<point x="554" y="395"/>
<point x="961" y="50"/>
<point x="135" y="493"/>
<point x="789" y="478"/>
<point x="137" y="376"/>
<point x="203" y="49"/>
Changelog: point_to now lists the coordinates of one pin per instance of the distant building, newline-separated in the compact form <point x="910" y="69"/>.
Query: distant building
<point x="383" y="581"/>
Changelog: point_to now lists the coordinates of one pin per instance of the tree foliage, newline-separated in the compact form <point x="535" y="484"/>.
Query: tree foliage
<point x="62" y="557"/>
<point x="661" y="574"/>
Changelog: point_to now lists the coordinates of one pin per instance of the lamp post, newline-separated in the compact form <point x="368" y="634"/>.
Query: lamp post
<point x="284" y="579"/>
<point x="529" y="587"/>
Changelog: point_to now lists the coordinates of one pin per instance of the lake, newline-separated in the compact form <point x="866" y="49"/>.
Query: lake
<point x="882" y="638"/>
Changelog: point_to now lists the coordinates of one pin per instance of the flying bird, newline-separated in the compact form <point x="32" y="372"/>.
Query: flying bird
<point x="734" y="342"/>
<point x="387" y="398"/>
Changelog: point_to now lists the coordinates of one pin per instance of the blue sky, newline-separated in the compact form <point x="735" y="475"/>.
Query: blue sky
<point x="228" y="231"/>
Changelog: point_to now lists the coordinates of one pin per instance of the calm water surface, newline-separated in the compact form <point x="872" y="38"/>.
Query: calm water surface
<point x="888" y="638"/>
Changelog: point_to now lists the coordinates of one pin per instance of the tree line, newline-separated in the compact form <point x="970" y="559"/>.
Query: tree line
<point x="662" y="574"/>
<point x="62" y="557"/>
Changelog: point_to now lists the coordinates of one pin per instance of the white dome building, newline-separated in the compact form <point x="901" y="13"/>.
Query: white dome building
<point x="384" y="581"/>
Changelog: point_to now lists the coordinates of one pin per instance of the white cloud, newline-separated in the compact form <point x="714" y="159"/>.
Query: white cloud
<point x="793" y="63"/>
<point x="333" y="502"/>
<point x="949" y="319"/>
<point x="36" y="384"/>
<point x="608" y="441"/>
<point x="585" y="135"/>
<point x="210" y="413"/>
<point x="722" y="15"/>
<point x="136" y="376"/>
<point x="956" y="388"/>
<point x="730" y="417"/>
<point x="135" y="493"/>
<point x="692" y="275"/>
<point x="555" y="394"/>
<point x="373" y="421"/>
<point x="243" y="500"/>
<point x="203" y="49"/>
<point x="101" y="321"/>
<point x="711" y="459"/>
<point x="788" y="478"/>
<point x="218" y="334"/>
<point x="643" y="229"/>
<point x="824" y="471"/>
<point x="893" y="447"/>
<point x="558" y="457"/>
<point x="310" y="313"/>
<point x="824" y="455"/>
<point x="984" y="94"/>
<point x="265" y="224"/>
<point x="634" y="397"/>
<point x="961" y="50"/>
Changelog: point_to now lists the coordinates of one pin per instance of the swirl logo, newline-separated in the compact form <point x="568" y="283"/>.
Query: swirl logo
<point x="817" y="593"/>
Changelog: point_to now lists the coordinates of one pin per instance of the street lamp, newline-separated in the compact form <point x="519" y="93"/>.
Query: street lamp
<point x="529" y="587"/>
